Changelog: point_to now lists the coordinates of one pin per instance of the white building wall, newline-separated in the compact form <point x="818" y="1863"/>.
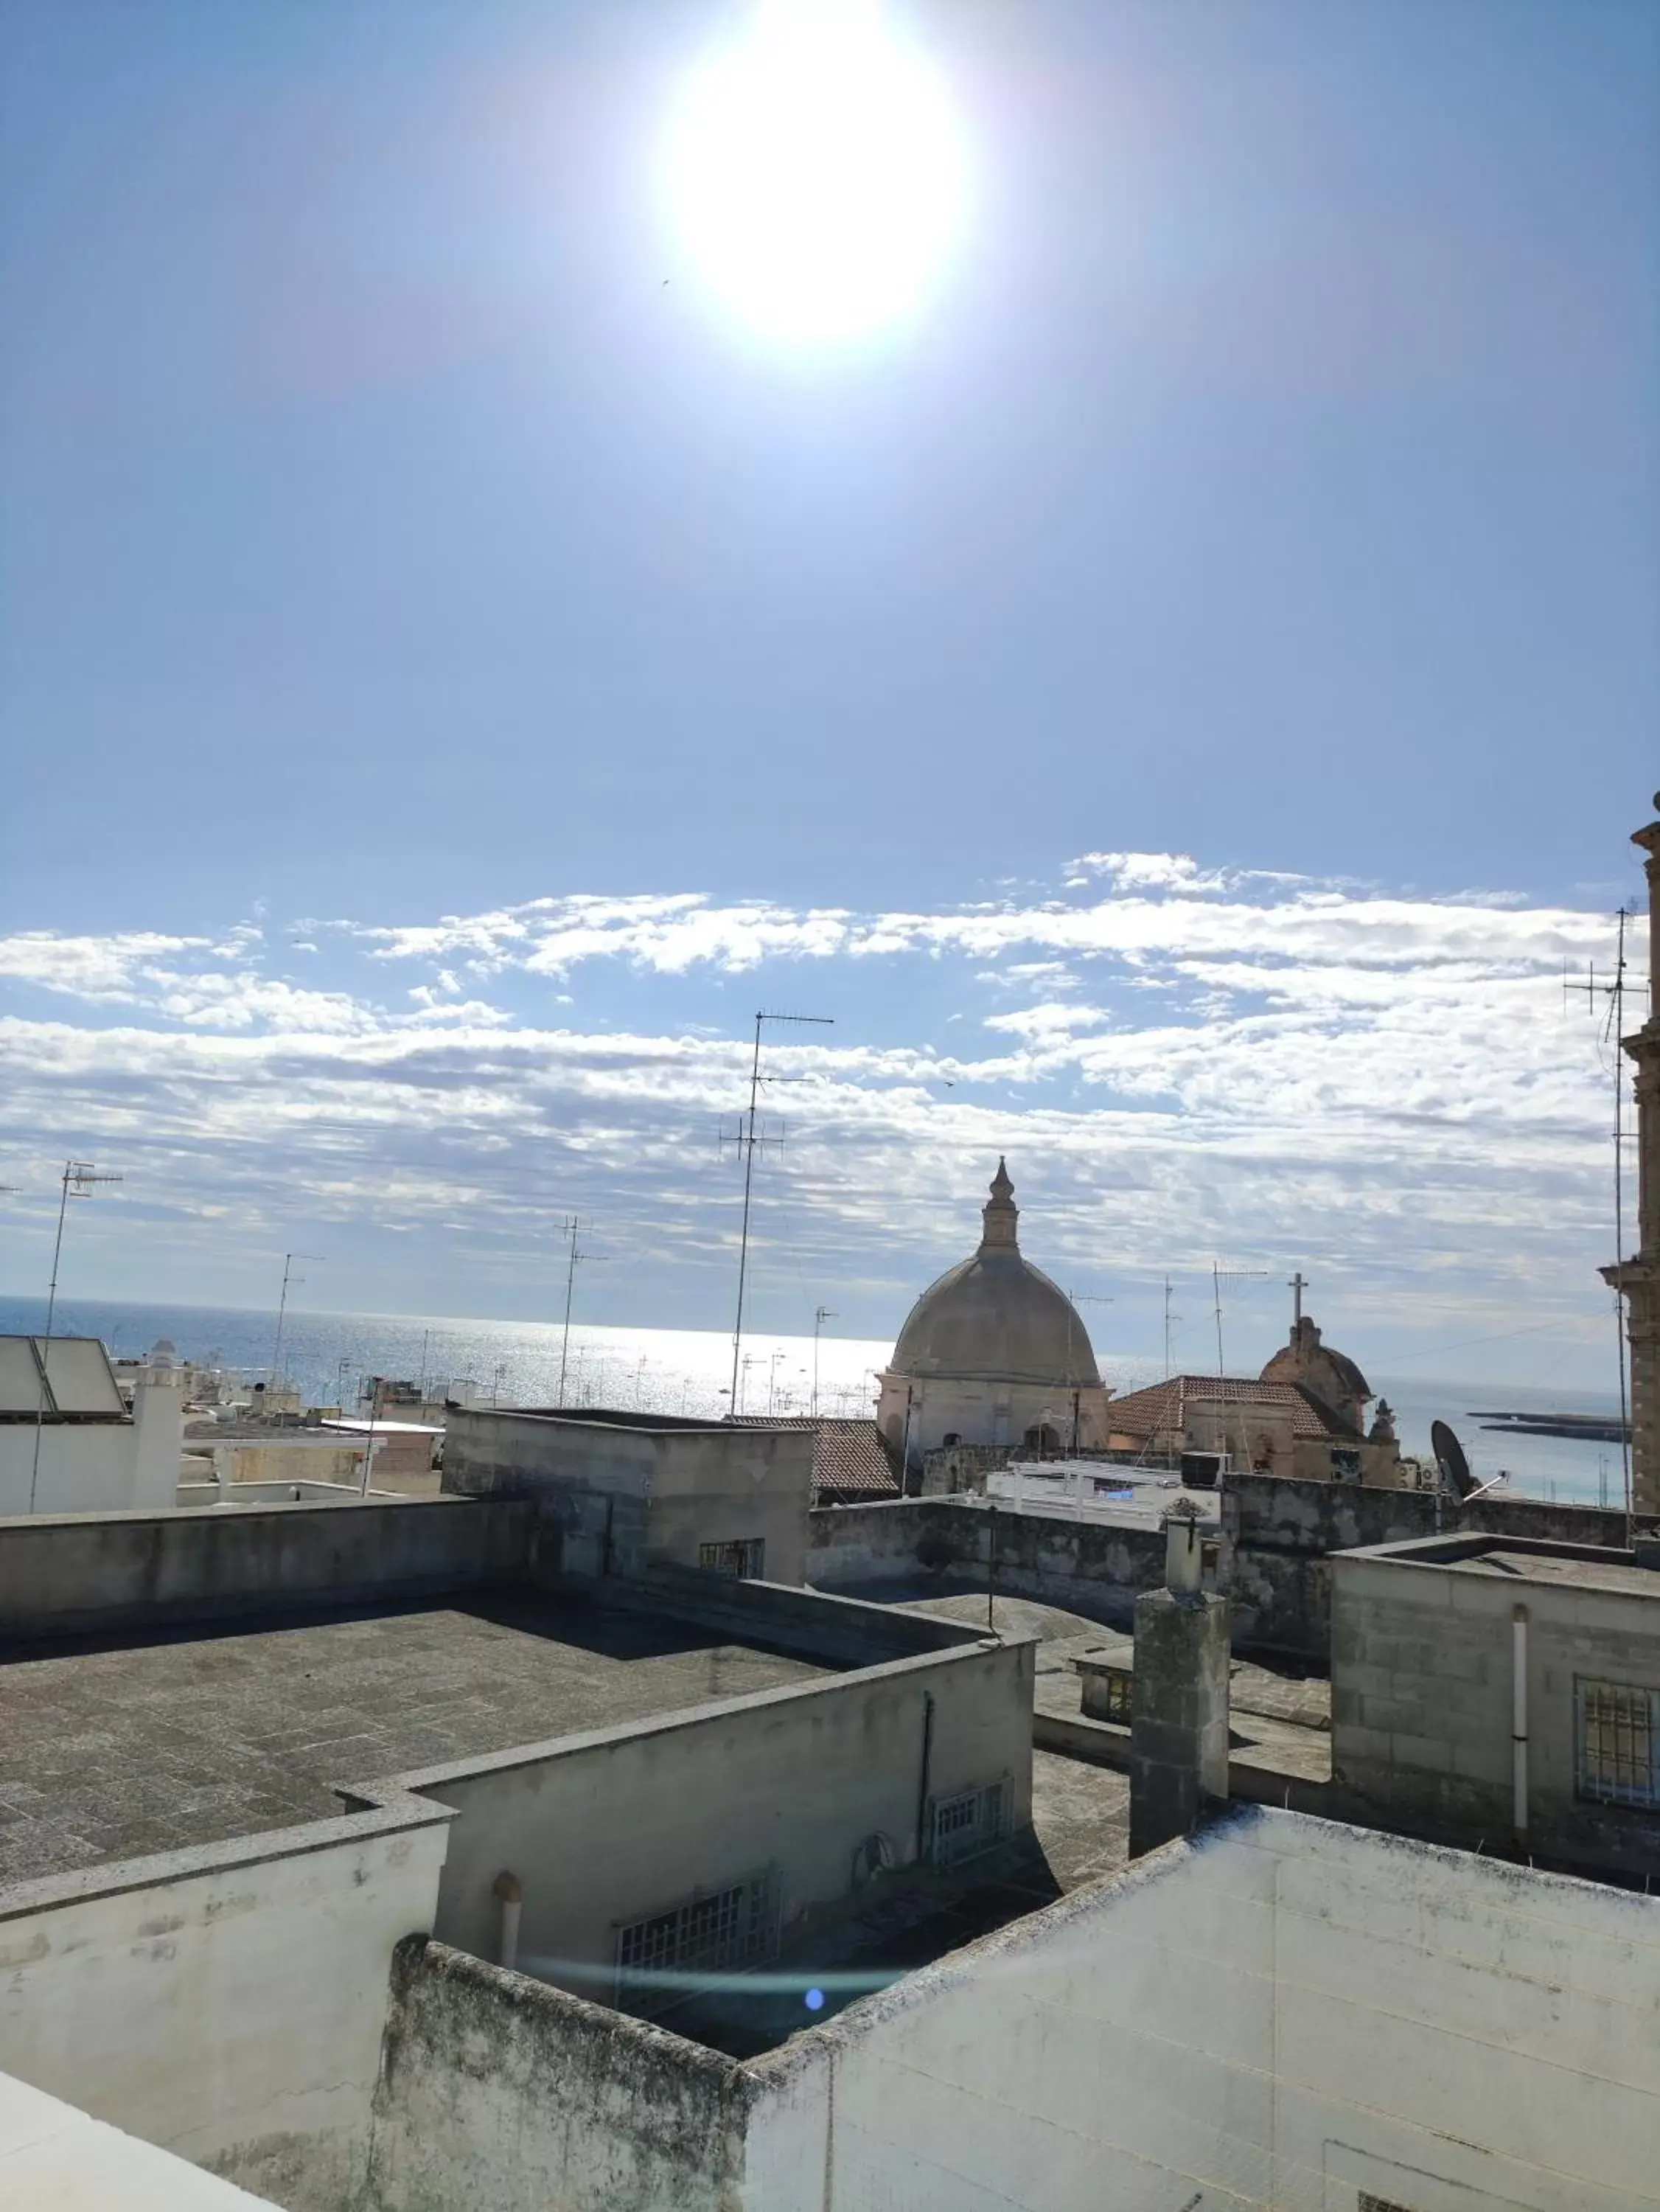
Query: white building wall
<point x="614" y="1826"/>
<point x="230" y="2013"/>
<point x="96" y="1466"/>
<point x="1278" y="2014"/>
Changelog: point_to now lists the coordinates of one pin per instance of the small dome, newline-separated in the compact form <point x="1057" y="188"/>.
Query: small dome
<point x="1332" y="1376"/>
<point x="997" y="1317"/>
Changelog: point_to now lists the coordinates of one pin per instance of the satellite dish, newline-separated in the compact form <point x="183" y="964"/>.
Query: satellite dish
<point x="1450" y="1458"/>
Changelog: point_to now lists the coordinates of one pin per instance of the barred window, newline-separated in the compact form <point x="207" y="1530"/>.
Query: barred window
<point x="1617" y="1732"/>
<point x="1117" y="1693"/>
<point x="744" y="1559"/>
<point x="710" y="1933"/>
<point x="969" y="1823"/>
<point x="1370" y="2203"/>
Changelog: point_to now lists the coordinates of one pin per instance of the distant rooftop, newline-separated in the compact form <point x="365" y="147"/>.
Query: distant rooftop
<point x="1145" y="1413"/>
<point x="850" y="1456"/>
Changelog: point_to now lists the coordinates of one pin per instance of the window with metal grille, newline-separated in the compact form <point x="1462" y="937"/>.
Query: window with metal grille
<point x="969" y="1823"/>
<point x="1117" y="1693"/>
<point x="710" y="1933"/>
<point x="1618" y="1738"/>
<point x="1368" y="2202"/>
<point x="744" y="1559"/>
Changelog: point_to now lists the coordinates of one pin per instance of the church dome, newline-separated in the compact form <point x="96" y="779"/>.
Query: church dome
<point x="997" y="1317"/>
<point x="1332" y="1377"/>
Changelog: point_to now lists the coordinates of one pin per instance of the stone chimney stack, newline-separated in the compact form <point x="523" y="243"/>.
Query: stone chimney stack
<point x="1178" y="1708"/>
<point x="1638" y="1277"/>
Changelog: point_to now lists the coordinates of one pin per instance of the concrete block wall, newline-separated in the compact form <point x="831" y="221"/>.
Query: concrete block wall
<point x="1421" y="1705"/>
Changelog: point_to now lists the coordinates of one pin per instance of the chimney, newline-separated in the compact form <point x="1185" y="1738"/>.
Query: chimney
<point x="1179" y="1709"/>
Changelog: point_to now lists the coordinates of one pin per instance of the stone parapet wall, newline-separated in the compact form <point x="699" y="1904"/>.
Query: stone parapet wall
<point x="500" y="2092"/>
<point x="1095" y="1568"/>
<point x="93" y="1573"/>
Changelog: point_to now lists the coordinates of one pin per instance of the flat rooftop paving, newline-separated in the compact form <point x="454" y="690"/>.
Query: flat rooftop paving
<point x="113" y="1748"/>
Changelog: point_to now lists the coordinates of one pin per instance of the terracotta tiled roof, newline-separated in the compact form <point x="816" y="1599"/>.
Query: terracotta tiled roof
<point x="850" y="1458"/>
<point x="1143" y="1412"/>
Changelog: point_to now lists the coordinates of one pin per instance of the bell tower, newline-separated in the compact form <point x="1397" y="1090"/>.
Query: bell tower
<point x="1638" y="1278"/>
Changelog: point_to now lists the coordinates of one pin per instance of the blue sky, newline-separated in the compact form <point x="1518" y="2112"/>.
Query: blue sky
<point x="1271" y="479"/>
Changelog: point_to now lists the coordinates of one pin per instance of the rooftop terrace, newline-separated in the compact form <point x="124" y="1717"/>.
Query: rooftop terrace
<point x="1633" y="1573"/>
<point x="116" y="1746"/>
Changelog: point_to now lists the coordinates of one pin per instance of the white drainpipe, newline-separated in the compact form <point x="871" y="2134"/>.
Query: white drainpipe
<point x="507" y="1888"/>
<point x="1518" y="1724"/>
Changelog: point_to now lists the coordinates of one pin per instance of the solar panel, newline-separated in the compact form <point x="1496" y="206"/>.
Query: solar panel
<point x="20" y="1376"/>
<point x="78" y="1370"/>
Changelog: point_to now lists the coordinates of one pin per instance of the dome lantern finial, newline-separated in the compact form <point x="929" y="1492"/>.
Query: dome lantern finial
<point x="1000" y="1213"/>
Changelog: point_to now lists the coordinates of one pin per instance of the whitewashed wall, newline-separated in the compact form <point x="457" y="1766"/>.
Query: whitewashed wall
<point x="608" y="1827"/>
<point x="1281" y="2013"/>
<point x="232" y="2014"/>
<point x="96" y="1466"/>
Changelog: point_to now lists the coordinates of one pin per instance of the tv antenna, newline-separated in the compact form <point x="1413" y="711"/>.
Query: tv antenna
<point x="821" y="1315"/>
<point x="1169" y="1292"/>
<point x="572" y="1229"/>
<point x="288" y="1277"/>
<point x="747" y="1140"/>
<point x="80" y="1179"/>
<point x="1614" y="988"/>
<point x="1219" y="1275"/>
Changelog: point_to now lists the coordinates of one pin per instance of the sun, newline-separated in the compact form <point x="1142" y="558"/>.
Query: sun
<point x="815" y="172"/>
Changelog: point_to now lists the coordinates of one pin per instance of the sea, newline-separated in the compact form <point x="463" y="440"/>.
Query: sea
<point x="327" y="1355"/>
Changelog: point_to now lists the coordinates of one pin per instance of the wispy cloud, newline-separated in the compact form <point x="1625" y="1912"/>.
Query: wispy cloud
<point x="1383" y="1084"/>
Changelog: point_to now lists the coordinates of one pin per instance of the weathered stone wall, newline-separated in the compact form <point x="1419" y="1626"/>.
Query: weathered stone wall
<point x="1089" y="1567"/>
<point x="121" y="1569"/>
<point x="501" y="2093"/>
<point x="1278" y="1535"/>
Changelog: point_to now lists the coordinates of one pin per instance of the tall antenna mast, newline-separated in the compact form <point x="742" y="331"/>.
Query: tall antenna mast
<point x="570" y="1230"/>
<point x="289" y="1277"/>
<point x="1613" y="1030"/>
<point x="79" y="1179"/>
<point x="747" y="1140"/>
<point x="1219" y="1275"/>
<point x="1168" y="1318"/>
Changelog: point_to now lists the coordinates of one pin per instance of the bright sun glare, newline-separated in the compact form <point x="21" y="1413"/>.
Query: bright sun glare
<point x="817" y="171"/>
